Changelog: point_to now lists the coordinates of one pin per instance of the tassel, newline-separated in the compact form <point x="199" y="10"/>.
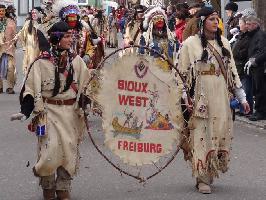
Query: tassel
<point x="142" y="43"/>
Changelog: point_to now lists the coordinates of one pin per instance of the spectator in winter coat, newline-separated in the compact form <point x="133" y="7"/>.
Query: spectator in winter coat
<point x="256" y="65"/>
<point x="240" y="53"/>
<point x="180" y="24"/>
<point x="233" y="17"/>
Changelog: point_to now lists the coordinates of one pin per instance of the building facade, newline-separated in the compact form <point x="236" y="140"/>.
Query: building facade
<point x="25" y="6"/>
<point x="22" y="8"/>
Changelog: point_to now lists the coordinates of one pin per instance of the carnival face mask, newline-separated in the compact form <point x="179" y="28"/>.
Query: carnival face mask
<point x="72" y="20"/>
<point x="2" y="13"/>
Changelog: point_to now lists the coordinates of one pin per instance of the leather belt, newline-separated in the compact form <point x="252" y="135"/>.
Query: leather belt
<point x="59" y="102"/>
<point x="210" y="72"/>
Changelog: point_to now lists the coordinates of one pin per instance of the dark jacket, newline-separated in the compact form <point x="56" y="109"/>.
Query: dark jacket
<point x="240" y="52"/>
<point x="232" y="22"/>
<point x="257" y="46"/>
<point x="261" y="58"/>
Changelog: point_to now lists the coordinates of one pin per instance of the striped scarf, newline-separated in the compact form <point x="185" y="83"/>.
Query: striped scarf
<point x="2" y="25"/>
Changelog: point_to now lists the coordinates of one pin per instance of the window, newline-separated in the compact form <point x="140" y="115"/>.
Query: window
<point x="36" y="3"/>
<point x="83" y="2"/>
<point x="23" y="7"/>
<point x="7" y="2"/>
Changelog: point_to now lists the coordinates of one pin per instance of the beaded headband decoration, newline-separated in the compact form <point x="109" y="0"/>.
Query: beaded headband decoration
<point x="71" y="9"/>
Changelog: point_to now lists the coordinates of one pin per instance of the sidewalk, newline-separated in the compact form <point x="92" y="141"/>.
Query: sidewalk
<point x="259" y="124"/>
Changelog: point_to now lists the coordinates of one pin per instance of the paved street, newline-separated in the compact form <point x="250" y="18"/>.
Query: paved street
<point x="97" y="180"/>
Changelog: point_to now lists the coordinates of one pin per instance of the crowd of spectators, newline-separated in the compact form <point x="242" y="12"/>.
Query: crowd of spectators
<point x="248" y="42"/>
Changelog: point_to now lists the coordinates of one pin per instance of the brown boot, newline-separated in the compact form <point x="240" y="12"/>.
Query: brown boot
<point x="63" y="194"/>
<point x="49" y="194"/>
<point x="204" y="188"/>
<point x="10" y="91"/>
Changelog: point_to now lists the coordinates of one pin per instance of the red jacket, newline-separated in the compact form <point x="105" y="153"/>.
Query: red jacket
<point x="179" y="28"/>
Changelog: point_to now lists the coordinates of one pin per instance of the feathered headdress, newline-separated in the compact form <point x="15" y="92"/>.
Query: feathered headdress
<point x="151" y="13"/>
<point x="62" y="8"/>
<point x="150" y="16"/>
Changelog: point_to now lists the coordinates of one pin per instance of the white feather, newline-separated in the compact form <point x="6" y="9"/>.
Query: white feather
<point x="85" y="25"/>
<point x="147" y="16"/>
<point x="59" y="4"/>
<point x="155" y="9"/>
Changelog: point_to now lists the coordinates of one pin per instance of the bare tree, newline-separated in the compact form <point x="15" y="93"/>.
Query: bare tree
<point x="260" y="6"/>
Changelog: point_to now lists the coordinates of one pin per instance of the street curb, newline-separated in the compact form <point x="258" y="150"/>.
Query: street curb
<point x="258" y="124"/>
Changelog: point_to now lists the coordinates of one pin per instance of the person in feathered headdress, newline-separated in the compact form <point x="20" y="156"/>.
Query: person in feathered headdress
<point x="67" y="11"/>
<point x="206" y="63"/>
<point x="86" y="43"/>
<point x="157" y="35"/>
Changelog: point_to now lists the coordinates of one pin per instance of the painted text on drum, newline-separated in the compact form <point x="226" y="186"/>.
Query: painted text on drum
<point x="144" y="147"/>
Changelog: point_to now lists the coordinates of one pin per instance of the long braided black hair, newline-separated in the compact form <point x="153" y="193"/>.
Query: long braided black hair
<point x="205" y="12"/>
<point x="204" y="43"/>
<point x="69" y="79"/>
<point x="63" y="58"/>
<point x="30" y="28"/>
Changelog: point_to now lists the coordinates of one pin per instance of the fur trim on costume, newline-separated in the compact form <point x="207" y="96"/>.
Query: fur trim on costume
<point x="86" y="25"/>
<point x="96" y="41"/>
